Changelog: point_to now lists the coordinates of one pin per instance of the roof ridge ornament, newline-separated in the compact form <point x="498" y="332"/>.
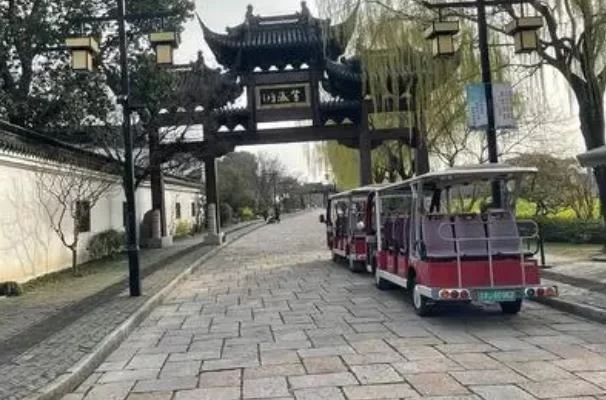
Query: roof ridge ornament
<point x="250" y="18"/>
<point x="305" y="15"/>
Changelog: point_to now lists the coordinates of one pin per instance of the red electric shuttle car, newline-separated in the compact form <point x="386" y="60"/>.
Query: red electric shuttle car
<point x="436" y="241"/>
<point x="345" y="228"/>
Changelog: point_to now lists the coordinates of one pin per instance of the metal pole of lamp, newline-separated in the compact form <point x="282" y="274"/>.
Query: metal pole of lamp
<point x="482" y="24"/>
<point x="86" y="47"/>
<point x="132" y="240"/>
<point x="491" y="132"/>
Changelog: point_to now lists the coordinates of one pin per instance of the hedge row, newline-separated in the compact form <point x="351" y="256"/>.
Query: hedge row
<point x="564" y="230"/>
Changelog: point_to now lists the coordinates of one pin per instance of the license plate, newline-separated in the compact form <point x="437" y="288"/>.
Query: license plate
<point x="495" y="296"/>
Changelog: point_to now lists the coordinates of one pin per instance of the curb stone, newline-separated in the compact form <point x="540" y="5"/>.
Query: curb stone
<point x="583" y="310"/>
<point x="70" y="380"/>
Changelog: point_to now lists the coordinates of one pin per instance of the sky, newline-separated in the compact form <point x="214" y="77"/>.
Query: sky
<point x="219" y="14"/>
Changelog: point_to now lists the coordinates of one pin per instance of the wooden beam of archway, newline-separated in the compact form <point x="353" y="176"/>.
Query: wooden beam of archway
<point x="228" y="140"/>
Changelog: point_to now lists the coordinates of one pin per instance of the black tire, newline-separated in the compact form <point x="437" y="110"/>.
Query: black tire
<point x="373" y="264"/>
<point x="511" y="307"/>
<point x="381" y="283"/>
<point x="335" y="257"/>
<point x="410" y="283"/>
<point x="420" y="303"/>
<point x="356" y="266"/>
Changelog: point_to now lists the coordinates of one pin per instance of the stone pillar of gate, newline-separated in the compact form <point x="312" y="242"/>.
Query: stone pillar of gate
<point x="157" y="194"/>
<point x="365" y="148"/>
<point x="213" y="215"/>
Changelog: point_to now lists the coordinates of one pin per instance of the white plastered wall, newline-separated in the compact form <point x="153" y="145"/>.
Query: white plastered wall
<point x="29" y="248"/>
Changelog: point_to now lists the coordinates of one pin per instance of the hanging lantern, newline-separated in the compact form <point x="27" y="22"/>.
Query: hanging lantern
<point x="441" y="33"/>
<point x="524" y="31"/>
<point x="83" y="50"/>
<point x="164" y="44"/>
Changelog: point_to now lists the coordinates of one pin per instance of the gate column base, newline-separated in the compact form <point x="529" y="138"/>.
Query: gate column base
<point x="215" y="239"/>
<point x="159" y="243"/>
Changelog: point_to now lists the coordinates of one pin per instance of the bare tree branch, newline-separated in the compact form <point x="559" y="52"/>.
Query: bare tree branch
<point x="60" y="188"/>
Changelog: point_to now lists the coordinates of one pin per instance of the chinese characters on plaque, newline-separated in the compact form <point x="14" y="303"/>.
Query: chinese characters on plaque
<point x="502" y="94"/>
<point x="283" y="96"/>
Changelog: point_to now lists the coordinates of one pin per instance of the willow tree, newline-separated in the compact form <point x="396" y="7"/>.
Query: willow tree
<point x="573" y="43"/>
<point x="397" y="59"/>
<point x="343" y="163"/>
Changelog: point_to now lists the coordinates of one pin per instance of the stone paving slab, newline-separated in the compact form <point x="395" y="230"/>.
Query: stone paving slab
<point x="580" y="300"/>
<point x="24" y="375"/>
<point x="271" y="317"/>
<point x="582" y="286"/>
<point x="590" y="270"/>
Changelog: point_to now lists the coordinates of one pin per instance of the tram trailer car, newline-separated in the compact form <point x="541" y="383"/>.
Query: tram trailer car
<point x="345" y="229"/>
<point x="444" y="255"/>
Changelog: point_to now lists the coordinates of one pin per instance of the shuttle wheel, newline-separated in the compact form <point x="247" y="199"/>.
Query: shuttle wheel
<point x="420" y="302"/>
<point x="373" y="264"/>
<point x="356" y="266"/>
<point x="511" y="307"/>
<point x="382" y="284"/>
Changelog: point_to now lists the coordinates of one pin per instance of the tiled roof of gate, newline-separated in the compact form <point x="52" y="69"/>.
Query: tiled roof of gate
<point x="273" y="37"/>
<point x="343" y="79"/>
<point x="349" y="71"/>
<point x="275" y="34"/>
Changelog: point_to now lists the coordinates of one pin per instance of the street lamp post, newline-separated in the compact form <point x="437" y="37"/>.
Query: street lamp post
<point x="522" y="28"/>
<point x="83" y="49"/>
<point x="132" y="240"/>
<point x="491" y="131"/>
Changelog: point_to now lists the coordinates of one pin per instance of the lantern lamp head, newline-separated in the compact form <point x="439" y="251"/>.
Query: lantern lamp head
<point x="164" y="44"/>
<point x="441" y="34"/>
<point x="83" y="51"/>
<point x="524" y="31"/>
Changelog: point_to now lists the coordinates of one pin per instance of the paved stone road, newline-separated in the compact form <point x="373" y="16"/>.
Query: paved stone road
<point x="28" y="320"/>
<point x="271" y="318"/>
<point x="50" y="348"/>
<point x="44" y="309"/>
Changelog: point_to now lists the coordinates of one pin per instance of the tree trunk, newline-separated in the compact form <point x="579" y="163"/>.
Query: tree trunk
<point x="74" y="251"/>
<point x="422" y="160"/>
<point x="593" y="126"/>
<point x="421" y="165"/>
<point x="600" y="177"/>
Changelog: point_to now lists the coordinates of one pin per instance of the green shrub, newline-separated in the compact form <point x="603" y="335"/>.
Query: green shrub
<point x="527" y="210"/>
<point x="568" y="230"/>
<point x="183" y="228"/>
<point x="247" y="214"/>
<point x="109" y="243"/>
<point x="10" y="289"/>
